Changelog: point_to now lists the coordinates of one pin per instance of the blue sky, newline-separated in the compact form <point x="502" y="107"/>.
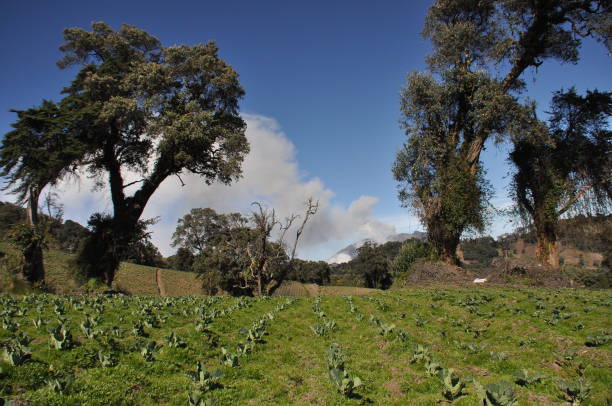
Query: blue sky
<point x="328" y="75"/>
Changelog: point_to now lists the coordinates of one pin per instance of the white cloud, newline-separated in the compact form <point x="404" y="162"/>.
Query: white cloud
<point x="271" y="174"/>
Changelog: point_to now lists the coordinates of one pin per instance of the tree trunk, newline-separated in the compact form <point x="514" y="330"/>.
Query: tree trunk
<point x="547" y="251"/>
<point x="259" y="285"/>
<point x="448" y="254"/>
<point x="33" y="268"/>
<point x="106" y="247"/>
<point x="444" y="241"/>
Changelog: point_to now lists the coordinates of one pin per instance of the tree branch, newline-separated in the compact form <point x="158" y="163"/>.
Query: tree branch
<point x="133" y="183"/>
<point x="578" y="195"/>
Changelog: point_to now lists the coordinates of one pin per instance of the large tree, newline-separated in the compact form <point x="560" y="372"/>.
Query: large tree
<point x="565" y="166"/>
<point x="154" y="112"/>
<point x="481" y="49"/>
<point x="39" y="151"/>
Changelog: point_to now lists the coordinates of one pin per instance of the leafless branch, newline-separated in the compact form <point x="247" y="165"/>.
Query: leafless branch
<point x="311" y="210"/>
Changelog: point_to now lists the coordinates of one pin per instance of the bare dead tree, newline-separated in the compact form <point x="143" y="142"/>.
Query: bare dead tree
<point x="263" y="255"/>
<point x="311" y="210"/>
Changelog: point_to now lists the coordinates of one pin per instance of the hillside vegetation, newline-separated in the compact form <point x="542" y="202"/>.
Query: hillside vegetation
<point x="135" y="279"/>
<point x="131" y="279"/>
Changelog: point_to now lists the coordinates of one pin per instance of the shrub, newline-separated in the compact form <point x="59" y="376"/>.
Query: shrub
<point x="409" y="252"/>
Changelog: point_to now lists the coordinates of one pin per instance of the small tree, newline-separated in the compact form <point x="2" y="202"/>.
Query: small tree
<point x="408" y="254"/>
<point x="203" y="227"/>
<point x="373" y="263"/>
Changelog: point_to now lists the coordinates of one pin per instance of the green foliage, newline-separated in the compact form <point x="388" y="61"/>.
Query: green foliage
<point x="339" y="375"/>
<point x="481" y="250"/>
<point x="61" y="338"/>
<point x="148" y="351"/>
<point x="384" y="329"/>
<point x="453" y="385"/>
<point x="196" y="399"/>
<point x="203" y="228"/>
<point x="106" y="359"/>
<point x="525" y="377"/>
<point x="30" y="241"/>
<point x="500" y="393"/>
<point x="175" y="107"/>
<point x="174" y="341"/>
<point x="183" y="260"/>
<point x="107" y="367"/>
<point x="220" y="242"/>
<point x="108" y="245"/>
<point x="144" y="252"/>
<point x="410" y="251"/>
<point x="88" y="327"/>
<point x="16" y="354"/>
<point x="309" y="272"/>
<point x="575" y="391"/>
<point x="373" y="264"/>
<point x="138" y="330"/>
<point x="433" y="368"/>
<point x="60" y="385"/>
<point x="205" y="380"/>
<point x="25" y="237"/>
<point x="420" y="353"/>
<point x="10" y="214"/>
<point x="563" y="166"/>
<point x="344" y="381"/>
<point x="39" y="150"/>
<point x="598" y="340"/>
<point x="228" y="358"/>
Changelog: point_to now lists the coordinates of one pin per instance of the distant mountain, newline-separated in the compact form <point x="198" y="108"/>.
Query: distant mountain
<point x="350" y="251"/>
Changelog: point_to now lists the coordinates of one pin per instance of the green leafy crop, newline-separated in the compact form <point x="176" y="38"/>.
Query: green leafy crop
<point x="500" y="393"/>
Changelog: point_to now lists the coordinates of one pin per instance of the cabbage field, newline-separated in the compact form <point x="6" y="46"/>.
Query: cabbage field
<point x="425" y="346"/>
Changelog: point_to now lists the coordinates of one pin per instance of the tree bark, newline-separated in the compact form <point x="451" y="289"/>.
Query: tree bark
<point x="547" y="251"/>
<point x="259" y="285"/>
<point x="33" y="267"/>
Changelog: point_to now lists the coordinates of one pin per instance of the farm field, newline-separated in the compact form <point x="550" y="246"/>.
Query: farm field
<point x="387" y="348"/>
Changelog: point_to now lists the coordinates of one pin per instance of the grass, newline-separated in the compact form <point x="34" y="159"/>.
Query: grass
<point x="131" y="278"/>
<point x="141" y="280"/>
<point x="298" y="289"/>
<point x="485" y="334"/>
